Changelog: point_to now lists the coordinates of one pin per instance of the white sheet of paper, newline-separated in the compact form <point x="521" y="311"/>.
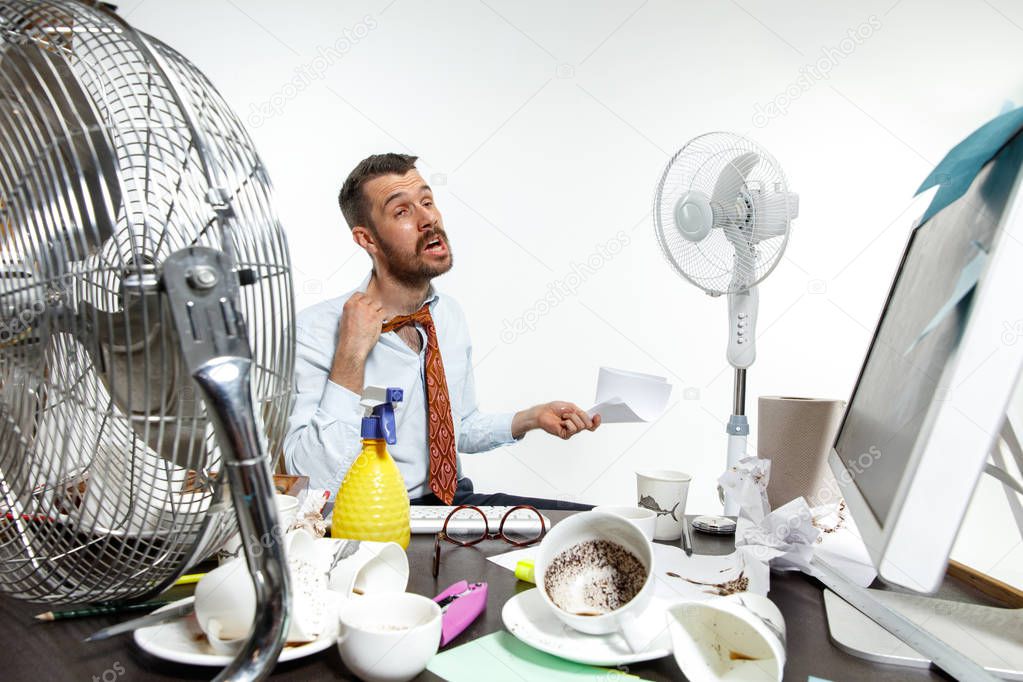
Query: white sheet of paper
<point x="624" y="396"/>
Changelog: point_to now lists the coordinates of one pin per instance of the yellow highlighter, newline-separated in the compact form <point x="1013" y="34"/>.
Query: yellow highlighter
<point x="524" y="571"/>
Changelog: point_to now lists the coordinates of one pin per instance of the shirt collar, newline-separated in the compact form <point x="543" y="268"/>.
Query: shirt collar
<point x="431" y="293"/>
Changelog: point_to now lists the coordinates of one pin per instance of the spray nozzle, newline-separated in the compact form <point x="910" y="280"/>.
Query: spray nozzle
<point x="379" y="403"/>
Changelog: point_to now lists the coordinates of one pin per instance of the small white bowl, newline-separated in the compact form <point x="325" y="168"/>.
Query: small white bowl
<point x="644" y="519"/>
<point x="389" y="637"/>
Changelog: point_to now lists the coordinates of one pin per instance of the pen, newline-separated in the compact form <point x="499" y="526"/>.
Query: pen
<point x="99" y="610"/>
<point x="687" y="541"/>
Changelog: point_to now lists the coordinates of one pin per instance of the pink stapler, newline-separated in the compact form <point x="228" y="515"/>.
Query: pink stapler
<point x="461" y="604"/>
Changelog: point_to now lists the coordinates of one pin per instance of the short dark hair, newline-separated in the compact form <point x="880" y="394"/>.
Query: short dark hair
<point x="352" y="200"/>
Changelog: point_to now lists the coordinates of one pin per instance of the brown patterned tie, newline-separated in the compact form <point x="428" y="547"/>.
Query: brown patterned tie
<point x="443" y="468"/>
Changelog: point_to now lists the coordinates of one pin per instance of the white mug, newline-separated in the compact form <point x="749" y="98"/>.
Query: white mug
<point x="588" y="526"/>
<point x="644" y="519"/>
<point x="389" y="637"/>
<point x="738" y="637"/>
<point x="225" y="601"/>
<point x="664" y="492"/>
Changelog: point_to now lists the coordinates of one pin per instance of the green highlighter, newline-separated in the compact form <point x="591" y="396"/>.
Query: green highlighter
<point x="518" y="661"/>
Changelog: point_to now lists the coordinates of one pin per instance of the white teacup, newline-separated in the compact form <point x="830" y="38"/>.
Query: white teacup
<point x="644" y="519"/>
<point x="738" y="637"/>
<point x="582" y="613"/>
<point x="389" y="637"/>
<point x="374" y="567"/>
<point x="225" y="601"/>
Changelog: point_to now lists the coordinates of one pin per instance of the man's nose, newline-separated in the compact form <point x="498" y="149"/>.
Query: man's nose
<point x="426" y="217"/>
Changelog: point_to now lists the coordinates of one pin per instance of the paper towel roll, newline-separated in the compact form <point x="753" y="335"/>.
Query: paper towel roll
<point x="796" y="434"/>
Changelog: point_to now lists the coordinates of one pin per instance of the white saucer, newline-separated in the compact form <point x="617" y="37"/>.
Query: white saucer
<point x="528" y="618"/>
<point x="182" y="641"/>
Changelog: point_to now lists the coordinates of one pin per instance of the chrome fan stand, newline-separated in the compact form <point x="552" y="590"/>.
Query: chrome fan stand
<point x="202" y="287"/>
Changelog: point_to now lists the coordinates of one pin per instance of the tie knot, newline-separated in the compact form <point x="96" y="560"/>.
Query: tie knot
<point x="421" y="316"/>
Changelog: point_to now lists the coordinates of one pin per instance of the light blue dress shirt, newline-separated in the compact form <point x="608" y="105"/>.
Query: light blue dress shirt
<point x="323" y="437"/>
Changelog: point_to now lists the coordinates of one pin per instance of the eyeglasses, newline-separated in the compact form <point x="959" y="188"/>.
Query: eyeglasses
<point x="467" y="525"/>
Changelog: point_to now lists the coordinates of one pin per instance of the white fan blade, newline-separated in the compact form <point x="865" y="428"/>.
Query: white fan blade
<point x="769" y="230"/>
<point x="732" y="178"/>
<point x="774" y="212"/>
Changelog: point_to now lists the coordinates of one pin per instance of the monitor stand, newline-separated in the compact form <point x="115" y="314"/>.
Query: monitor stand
<point x="916" y="630"/>
<point x="989" y="635"/>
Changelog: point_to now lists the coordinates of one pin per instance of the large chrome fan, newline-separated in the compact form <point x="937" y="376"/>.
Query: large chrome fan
<point x="140" y="257"/>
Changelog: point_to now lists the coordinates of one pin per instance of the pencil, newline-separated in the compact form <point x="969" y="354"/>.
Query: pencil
<point x="99" y="610"/>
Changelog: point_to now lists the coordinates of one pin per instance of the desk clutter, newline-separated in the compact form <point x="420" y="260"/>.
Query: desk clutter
<point x="606" y="596"/>
<point x="597" y="592"/>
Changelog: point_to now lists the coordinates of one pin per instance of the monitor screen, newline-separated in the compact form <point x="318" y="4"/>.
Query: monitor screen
<point x="918" y="335"/>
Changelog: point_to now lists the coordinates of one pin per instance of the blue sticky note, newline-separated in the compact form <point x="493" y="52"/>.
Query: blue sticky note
<point x="967" y="282"/>
<point x="960" y="166"/>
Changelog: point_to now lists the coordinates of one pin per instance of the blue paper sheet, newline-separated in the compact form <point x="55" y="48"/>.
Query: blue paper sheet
<point x="960" y="166"/>
<point x="967" y="282"/>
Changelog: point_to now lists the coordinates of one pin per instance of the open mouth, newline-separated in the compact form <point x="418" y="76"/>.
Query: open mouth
<point x="435" y="246"/>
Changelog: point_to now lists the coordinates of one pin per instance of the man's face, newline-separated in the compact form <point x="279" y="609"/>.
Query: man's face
<point x="411" y="244"/>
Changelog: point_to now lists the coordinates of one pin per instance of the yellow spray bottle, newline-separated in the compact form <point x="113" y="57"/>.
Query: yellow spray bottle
<point x="372" y="503"/>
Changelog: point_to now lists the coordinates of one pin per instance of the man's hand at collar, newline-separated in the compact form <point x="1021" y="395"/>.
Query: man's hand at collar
<point x="558" y="418"/>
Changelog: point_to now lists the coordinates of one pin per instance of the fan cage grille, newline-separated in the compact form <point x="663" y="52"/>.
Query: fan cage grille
<point x="715" y="263"/>
<point x="109" y="144"/>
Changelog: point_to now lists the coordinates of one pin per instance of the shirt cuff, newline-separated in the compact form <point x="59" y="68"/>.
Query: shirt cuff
<point x="340" y="403"/>
<point x="502" y="433"/>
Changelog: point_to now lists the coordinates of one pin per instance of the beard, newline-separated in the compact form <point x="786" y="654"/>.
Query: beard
<point x="411" y="267"/>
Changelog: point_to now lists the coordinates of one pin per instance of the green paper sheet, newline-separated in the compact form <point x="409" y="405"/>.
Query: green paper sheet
<point x="506" y="659"/>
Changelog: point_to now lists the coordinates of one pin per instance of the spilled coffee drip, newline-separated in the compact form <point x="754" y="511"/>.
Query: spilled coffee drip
<point x="594" y="577"/>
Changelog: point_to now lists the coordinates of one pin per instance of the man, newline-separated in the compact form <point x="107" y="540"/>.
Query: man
<point x="397" y="330"/>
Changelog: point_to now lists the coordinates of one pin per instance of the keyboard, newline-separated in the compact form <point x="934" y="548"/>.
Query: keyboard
<point x="430" y="519"/>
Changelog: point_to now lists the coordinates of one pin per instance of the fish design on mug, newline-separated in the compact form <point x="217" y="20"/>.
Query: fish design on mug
<point x="648" y="502"/>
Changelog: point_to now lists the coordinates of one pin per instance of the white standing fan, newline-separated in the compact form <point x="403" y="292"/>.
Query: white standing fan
<point x="722" y="211"/>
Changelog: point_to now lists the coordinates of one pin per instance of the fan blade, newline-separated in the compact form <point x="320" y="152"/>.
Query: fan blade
<point x="732" y="178"/>
<point x="769" y="230"/>
<point x="773" y="213"/>
<point x="42" y="96"/>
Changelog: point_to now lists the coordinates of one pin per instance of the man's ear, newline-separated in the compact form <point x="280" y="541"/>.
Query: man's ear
<point x="362" y="236"/>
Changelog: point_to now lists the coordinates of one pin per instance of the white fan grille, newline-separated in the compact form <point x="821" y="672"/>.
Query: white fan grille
<point x="751" y="227"/>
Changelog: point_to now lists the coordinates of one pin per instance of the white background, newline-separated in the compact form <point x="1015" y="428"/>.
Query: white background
<point x="543" y="128"/>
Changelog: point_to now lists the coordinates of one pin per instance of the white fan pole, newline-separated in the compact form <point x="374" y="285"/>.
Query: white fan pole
<point x="742" y="351"/>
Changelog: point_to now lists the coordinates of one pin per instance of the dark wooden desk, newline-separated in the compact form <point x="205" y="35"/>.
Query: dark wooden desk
<point x="30" y="650"/>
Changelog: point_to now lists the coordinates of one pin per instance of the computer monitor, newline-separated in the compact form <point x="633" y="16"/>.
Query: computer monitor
<point x="939" y="373"/>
